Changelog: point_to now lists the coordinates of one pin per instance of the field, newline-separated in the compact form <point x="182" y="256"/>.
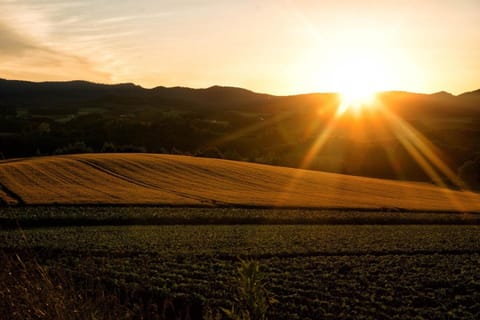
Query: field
<point x="314" y="271"/>
<point x="152" y="179"/>
<point x="139" y="234"/>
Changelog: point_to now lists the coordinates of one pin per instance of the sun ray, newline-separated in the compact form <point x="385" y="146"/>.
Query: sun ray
<point x="421" y="150"/>
<point x="424" y="146"/>
<point x="310" y="155"/>
<point x="249" y="129"/>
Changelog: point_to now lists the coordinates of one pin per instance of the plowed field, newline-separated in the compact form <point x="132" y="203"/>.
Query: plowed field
<point x="181" y="180"/>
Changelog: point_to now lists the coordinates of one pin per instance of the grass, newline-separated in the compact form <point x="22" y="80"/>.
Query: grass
<point x="170" y="180"/>
<point x="32" y="291"/>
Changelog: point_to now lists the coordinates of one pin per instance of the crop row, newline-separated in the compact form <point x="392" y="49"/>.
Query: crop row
<point x="328" y="272"/>
<point x="332" y="287"/>
<point x="34" y="217"/>
<point x="251" y="240"/>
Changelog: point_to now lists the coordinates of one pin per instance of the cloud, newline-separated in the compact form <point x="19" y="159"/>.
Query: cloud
<point x="24" y="58"/>
<point x="62" y="40"/>
<point x="29" y="50"/>
<point x="11" y="42"/>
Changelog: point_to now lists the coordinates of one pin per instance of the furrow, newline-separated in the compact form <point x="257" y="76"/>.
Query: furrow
<point x="9" y="197"/>
<point x="140" y="183"/>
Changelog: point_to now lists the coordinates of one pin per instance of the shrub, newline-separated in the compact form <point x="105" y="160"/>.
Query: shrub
<point x="129" y="148"/>
<point x="77" y="147"/>
<point x="108" y="147"/>
<point x="210" y="153"/>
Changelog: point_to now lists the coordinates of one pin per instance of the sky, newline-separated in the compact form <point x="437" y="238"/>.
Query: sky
<point x="273" y="46"/>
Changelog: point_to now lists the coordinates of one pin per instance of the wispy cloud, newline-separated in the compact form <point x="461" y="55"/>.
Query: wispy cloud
<point x="84" y="39"/>
<point x="26" y="51"/>
<point x="11" y="42"/>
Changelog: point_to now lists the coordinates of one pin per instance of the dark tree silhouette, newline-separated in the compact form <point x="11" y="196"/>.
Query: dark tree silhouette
<point x="469" y="172"/>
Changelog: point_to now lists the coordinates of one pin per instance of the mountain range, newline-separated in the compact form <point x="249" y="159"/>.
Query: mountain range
<point x="38" y="94"/>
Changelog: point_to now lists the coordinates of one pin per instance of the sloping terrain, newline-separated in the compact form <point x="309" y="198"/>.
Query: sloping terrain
<point x="182" y="180"/>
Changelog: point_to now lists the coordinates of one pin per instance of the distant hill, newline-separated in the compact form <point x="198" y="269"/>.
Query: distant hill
<point x="181" y="180"/>
<point x="38" y="93"/>
<point x="34" y="94"/>
<point x="215" y="96"/>
<point x="471" y="93"/>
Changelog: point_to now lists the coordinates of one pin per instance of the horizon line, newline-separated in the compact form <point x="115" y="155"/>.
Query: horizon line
<point x="233" y="86"/>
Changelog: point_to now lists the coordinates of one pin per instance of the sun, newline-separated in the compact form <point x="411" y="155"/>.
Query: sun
<point x="357" y="76"/>
<point x="356" y="100"/>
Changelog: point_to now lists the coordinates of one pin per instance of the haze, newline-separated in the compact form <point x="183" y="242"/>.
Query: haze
<point x="279" y="47"/>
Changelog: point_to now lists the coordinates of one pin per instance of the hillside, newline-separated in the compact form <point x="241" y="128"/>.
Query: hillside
<point x="51" y="118"/>
<point x="182" y="180"/>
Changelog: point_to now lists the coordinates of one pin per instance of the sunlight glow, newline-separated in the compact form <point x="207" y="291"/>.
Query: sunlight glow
<point x="420" y="149"/>
<point x="424" y="154"/>
<point x="358" y="74"/>
<point x="356" y="101"/>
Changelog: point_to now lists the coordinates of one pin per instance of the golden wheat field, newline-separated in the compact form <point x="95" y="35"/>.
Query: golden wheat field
<point x="183" y="180"/>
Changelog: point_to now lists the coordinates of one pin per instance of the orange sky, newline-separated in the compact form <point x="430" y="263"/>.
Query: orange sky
<point x="274" y="46"/>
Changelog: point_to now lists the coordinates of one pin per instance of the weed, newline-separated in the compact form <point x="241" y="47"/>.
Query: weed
<point x="252" y="300"/>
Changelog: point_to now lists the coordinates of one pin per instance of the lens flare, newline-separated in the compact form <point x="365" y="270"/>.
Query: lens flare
<point x="356" y="101"/>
